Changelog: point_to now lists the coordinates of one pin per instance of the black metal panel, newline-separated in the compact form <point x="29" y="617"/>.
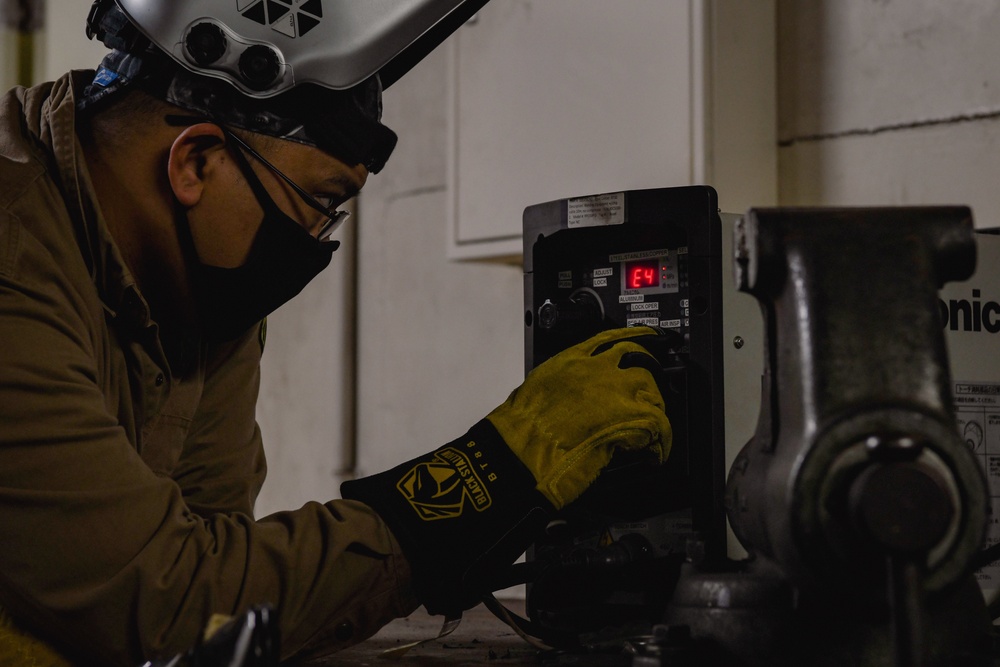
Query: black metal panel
<point x="575" y="286"/>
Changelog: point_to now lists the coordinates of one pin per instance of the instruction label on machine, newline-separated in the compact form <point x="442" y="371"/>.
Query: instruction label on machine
<point x="977" y="410"/>
<point x="596" y="211"/>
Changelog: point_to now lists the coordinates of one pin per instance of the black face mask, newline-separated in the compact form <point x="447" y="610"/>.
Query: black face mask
<point x="284" y="257"/>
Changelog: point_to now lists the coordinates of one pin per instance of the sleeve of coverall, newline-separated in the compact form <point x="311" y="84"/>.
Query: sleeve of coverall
<point x="222" y="465"/>
<point x="101" y="556"/>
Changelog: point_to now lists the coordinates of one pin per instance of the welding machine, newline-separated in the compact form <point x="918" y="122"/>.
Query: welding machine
<point x="648" y="257"/>
<point x="607" y="567"/>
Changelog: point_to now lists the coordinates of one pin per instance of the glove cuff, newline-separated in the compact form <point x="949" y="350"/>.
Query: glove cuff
<point x="461" y="514"/>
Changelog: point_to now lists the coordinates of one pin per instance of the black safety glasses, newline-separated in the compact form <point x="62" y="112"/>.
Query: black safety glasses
<point x="334" y="217"/>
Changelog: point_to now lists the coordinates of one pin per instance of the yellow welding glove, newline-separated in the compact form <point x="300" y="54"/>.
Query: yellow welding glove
<point x="574" y="410"/>
<point x="465" y="511"/>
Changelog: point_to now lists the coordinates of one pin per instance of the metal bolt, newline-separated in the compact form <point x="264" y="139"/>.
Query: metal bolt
<point x="738" y="342"/>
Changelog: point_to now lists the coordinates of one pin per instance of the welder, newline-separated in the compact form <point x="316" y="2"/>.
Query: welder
<point x="152" y="214"/>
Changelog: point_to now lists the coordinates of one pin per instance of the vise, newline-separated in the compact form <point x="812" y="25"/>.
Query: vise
<point x="862" y="508"/>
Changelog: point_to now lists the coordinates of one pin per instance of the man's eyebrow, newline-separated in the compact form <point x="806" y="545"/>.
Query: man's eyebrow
<point x="344" y="183"/>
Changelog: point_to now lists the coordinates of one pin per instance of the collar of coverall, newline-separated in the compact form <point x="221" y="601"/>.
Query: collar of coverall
<point x="344" y="123"/>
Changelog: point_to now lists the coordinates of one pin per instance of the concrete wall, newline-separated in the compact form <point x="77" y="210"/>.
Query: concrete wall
<point x="890" y="102"/>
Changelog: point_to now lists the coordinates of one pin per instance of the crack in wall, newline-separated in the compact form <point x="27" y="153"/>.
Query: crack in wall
<point x="415" y="192"/>
<point x="988" y="114"/>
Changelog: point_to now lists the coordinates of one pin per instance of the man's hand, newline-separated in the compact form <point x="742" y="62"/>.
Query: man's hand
<point x="467" y="510"/>
<point x="577" y="408"/>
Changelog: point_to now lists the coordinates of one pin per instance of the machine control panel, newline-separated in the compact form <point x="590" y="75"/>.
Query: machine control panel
<point x="638" y="288"/>
<point x="637" y="258"/>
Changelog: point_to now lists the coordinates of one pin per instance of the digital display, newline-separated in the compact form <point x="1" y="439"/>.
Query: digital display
<point x="645" y="273"/>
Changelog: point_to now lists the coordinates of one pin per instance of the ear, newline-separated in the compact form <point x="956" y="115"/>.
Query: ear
<point x="190" y="158"/>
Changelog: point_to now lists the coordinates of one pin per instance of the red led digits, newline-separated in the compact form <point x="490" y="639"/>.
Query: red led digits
<point x="642" y="274"/>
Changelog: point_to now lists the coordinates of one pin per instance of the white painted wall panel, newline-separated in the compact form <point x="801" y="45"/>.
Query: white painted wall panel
<point x="441" y="342"/>
<point x="561" y="98"/>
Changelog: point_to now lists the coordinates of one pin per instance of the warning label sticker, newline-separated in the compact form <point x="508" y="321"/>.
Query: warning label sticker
<point x="977" y="410"/>
<point x="596" y="211"/>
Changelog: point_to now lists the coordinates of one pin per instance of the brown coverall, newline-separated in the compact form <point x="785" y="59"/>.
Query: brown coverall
<point x="127" y="484"/>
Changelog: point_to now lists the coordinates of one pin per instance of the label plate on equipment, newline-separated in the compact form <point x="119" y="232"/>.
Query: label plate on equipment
<point x="596" y="211"/>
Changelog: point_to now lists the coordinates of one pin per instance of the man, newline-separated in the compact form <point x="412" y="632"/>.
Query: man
<point x="152" y="215"/>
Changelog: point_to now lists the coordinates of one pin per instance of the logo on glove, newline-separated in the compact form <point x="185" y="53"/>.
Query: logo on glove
<point x="442" y="487"/>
